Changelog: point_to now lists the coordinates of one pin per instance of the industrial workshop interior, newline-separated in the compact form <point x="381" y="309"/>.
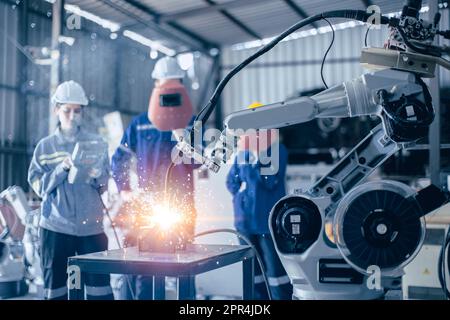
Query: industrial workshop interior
<point x="233" y="150"/>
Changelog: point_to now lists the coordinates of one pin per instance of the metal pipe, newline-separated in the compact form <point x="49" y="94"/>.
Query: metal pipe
<point x="435" y="128"/>
<point x="55" y="70"/>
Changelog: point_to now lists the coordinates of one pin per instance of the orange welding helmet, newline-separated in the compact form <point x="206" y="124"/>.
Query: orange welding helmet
<point x="170" y="107"/>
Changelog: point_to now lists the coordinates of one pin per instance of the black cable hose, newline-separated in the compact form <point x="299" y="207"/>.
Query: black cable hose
<point x="326" y="53"/>
<point x="366" y="36"/>
<point x="358" y="15"/>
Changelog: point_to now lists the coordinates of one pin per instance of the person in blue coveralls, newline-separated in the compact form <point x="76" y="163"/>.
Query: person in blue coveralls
<point x="257" y="181"/>
<point x="149" y="138"/>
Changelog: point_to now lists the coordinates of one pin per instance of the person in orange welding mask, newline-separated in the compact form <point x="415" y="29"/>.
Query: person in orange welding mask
<point x="149" y="138"/>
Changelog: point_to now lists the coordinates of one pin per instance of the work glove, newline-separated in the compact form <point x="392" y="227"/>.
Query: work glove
<point x="67" y="163"/>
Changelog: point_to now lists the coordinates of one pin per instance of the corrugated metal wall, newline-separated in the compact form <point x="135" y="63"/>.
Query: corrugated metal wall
<point x="294" y="66"/>
<point x="37" y="80"/>
<point x="116" y="75"/>
<point x="12" y="134"/>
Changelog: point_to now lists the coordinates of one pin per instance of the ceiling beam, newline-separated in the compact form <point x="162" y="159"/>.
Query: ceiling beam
<point x="235" y="21"/>
<point x="210" y="9"/>
<point x="205" y="43"/>
<point x="367" y="3"/>
<point x="157" y="16"/>
<point x="300" y="12"/>
<point x="149" y="24"/>
<point x="240" y="25"/>
<point x="194" y="44"/>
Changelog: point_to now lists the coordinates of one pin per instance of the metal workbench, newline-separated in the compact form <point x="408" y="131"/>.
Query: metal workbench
<point x="183" y="265"/>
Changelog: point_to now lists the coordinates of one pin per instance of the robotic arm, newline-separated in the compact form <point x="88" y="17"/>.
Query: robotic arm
<point x="362" y="96"/>
<point x="351" y="99"/>
<point x="332" y="237"/>
<point x="329" y="236"/>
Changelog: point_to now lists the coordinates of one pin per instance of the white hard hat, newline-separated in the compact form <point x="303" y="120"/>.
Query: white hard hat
<point x="167" y="68"/>
<point x="69" y="92"/>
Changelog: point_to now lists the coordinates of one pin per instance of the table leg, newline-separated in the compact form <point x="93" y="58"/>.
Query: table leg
<point x="248" y="278"/>
<point x="186" y="288"/>
<point x="159" y="288"/>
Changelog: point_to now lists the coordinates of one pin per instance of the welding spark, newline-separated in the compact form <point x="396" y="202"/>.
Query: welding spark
<point x="165" y="217"/>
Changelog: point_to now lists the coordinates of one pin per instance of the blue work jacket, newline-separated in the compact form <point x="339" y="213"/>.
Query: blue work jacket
<point x="254" y="194"/>
<point x="152" y="149"/>
<point x="74" y="209"/>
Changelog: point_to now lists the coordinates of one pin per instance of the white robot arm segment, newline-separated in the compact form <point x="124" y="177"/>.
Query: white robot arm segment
<point x="351" y="99"/>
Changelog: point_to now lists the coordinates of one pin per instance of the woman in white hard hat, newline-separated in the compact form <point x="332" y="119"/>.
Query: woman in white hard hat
<point x="71" y="212"/>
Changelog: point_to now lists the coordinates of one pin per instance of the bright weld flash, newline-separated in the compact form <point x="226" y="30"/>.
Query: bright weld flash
<point x="164" y="217"/>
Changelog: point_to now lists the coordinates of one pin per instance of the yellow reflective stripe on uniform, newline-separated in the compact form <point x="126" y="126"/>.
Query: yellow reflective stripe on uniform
<point x="98" y="291"/>
<point x="278" y="281"/>
<point x="55" y="293"/>
<point x="36" y="185"/>
<point x="125" y="148"/>
<point x="55" y="160"/>
<point x="259" y="279"/>
<point x="141" y="127"/>
<point x="53" y="155"/>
